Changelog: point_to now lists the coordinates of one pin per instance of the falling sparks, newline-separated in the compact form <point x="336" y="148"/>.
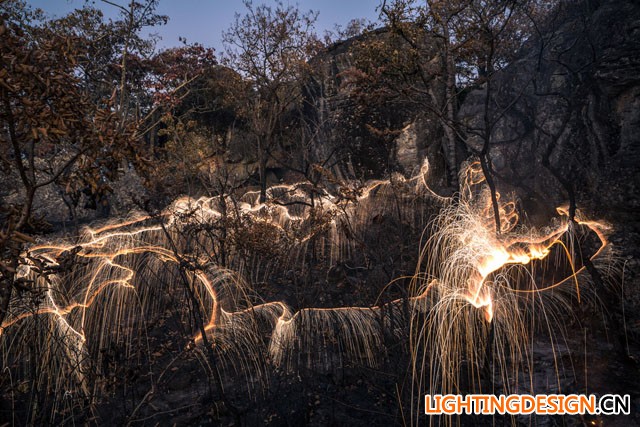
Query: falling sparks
<point x="119" y="270"/>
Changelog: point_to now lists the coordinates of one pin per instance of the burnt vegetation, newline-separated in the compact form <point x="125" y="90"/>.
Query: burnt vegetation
<point x="242" y="236"/>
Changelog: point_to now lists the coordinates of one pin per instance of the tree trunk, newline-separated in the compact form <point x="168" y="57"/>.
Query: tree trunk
<point x="262" y="170"/>
<point x="450" y="109"/>
<point x="5" y="297"/>
<point x="485" y="157"/>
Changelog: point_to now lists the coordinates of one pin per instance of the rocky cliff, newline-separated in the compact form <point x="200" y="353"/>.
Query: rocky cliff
<point x="566" y="125"/>
<point x="564" y="117"/>
<point x="367" y="139"/>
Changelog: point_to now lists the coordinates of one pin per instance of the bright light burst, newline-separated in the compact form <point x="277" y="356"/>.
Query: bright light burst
<point x="473" y="289"/>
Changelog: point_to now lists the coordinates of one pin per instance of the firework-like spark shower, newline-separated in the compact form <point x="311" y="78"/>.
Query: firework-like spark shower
<point x="120" y="272"/>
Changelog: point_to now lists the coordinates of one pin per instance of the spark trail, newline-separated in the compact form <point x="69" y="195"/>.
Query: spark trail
<point x="102" y="289"/>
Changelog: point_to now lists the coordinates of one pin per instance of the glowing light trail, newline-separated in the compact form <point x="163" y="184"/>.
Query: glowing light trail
<point x="462" y="264"/>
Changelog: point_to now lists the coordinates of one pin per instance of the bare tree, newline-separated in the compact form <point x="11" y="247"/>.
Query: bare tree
<point x="270" y="47"/>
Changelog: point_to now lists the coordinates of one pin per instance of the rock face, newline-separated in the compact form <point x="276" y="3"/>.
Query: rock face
<point x="417" y="141"/>
<point x="572" y="124"/>
<point x="572" y="97"/>
<point x="407" y="147"/>
<point x="566" y="124"/>
<point x="367" y="139"/>
<point x="333" y="109"/>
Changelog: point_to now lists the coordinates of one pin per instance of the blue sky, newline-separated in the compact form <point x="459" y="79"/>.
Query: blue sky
<point x="203" y="21"/>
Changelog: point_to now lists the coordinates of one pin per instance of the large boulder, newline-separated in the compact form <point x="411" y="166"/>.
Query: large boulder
<point x="567" y="123"/>
<point x="369" y="137"/>
<point x="571" y="97"/>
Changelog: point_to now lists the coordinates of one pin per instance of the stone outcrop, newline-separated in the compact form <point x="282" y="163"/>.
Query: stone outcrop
<point x="369" y="139"/>
<point x="571" y="97"/>
<point x="567" y="120"/>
